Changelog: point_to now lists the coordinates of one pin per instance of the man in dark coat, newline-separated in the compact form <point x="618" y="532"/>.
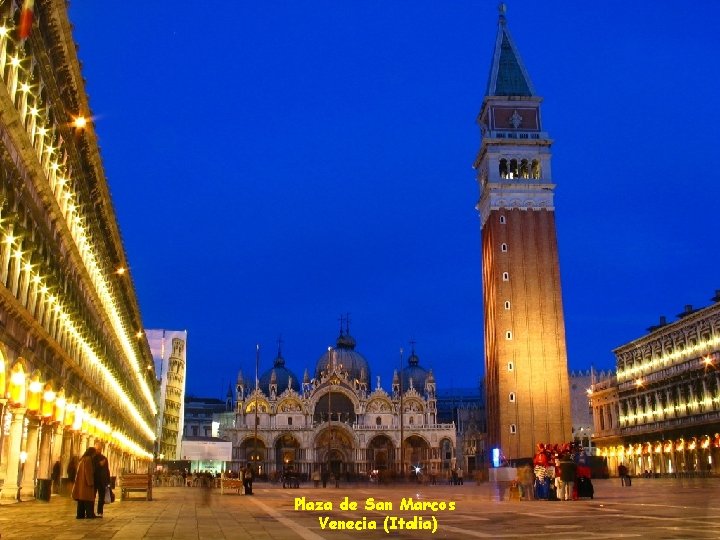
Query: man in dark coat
<point x="101" y="477"/>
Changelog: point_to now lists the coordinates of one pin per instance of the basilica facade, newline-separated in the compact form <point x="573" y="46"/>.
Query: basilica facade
<point x="333" y="421"/>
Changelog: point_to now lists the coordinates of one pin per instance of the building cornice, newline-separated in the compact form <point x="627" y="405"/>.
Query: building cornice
<point x="515" y="196"/>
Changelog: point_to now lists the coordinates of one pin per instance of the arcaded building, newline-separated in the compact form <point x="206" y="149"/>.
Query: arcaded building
<point x="334" y="419"/>
<point x="75" y="366"/>
<point x="661" y="412"/>
<point x="528" y="400"/>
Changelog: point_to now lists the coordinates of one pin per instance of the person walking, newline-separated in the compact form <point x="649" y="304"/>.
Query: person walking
<point x="55" y="477"/>
<point x="84" y="488"/>
<point x="248" y="480"/>
<point x="568" y="469"/>
<point x="101" y="470"/>
<point x="316" y="478"/>
<point x="526" y="479"/>
<point x="624" y="475"/>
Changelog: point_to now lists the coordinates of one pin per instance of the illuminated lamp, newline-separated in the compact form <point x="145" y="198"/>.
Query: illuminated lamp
<point x="668" y="447"/>
<point x="48" y="401"/>
<point x="80" y="122"/>
<point x="16" y="392"/>
<point x="716" y="440"/>
<point x="59" y="412"/>
<point x="692" y="444"/>
<point x="86" y="423"/>
<point x="34" y="392"/>
<point x="658" y="448"/>
<point x="705" y="442"/>
<point x="69" y="419"/>
<point x="680" y="444"/>
<point x="79" y="417"/>
<point x="2" y="377"/>
<point x="621" y="450"/>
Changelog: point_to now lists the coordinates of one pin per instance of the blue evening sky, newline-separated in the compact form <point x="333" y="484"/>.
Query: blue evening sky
<point x="275" y="164"/>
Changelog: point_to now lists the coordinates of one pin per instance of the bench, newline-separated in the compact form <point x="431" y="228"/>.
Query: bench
<point x="231" y="483"/>
<point x="134" y="483"/>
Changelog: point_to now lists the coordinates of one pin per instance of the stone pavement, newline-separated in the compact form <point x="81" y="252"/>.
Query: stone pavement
<point x="651" y="508"/>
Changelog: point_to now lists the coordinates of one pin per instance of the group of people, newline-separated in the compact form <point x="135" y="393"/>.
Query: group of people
<point x="92" y="479"/>
<point x="554" y="475"/>
<point x="456" y="476"/>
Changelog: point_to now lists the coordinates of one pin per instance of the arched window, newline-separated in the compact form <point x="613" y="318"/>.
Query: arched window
<point x="536" y="169"/>
<point x="506" y="276"/>
<point x="508" y="335"/>
<point x="502" y="220"/>
<point x="513" y="172"/>
<point x="507" y="304"/>
<point x="503" y="168"/>
<point x="412" y="420"/>
<point x="378" y="421"/>
<point x="503" y="247"/>
<point x="524" y="169"/>
<point x="512" y="397"/>
<point x="511" y="366"/>
<point x="513" y="428"/>
<point x="289" y="420"/>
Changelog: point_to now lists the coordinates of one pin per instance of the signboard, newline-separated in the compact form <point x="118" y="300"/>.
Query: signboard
<point x="207" y="450"/>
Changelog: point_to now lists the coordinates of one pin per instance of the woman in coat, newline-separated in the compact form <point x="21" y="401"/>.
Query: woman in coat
<point x="84" y="489"/>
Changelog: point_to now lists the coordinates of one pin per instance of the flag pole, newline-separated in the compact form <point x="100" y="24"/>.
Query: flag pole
<point x="257" y="364"/>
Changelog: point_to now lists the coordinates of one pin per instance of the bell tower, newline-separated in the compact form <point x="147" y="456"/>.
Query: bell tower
<point x="528" y="398"/>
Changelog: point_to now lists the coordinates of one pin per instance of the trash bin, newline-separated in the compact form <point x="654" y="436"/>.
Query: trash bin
<point x="43" y="490"/>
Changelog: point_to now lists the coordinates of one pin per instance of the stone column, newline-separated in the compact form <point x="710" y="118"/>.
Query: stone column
<point x="11" y="487"/>
<point x="57" y="446"/>
<point x="27" y="486"/>
<point x="83" y="444"/>
<point x="66" y="452"/>
<point x="3" y="439"/>
<point x="44" y="462"/>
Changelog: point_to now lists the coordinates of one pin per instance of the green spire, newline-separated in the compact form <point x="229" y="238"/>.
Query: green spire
<point x="508" y="76"/>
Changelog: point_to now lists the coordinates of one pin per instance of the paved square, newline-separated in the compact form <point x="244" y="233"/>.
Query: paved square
<point x="651" y="508"/>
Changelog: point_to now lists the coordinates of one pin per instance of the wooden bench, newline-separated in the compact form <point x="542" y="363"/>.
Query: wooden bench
<point x="134" y="483"/>
<point x="232" y="484"/>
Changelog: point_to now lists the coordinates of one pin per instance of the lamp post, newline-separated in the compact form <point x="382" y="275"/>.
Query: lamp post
<point x="257" y="382"/>
<point x="402" y="438"/>
<point x="331" y="365"/>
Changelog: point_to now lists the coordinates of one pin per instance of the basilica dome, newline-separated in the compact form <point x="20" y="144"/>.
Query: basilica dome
<point x="281" y="375"/>
<point x="346" y="358"/>
<point x="414" y="372"/>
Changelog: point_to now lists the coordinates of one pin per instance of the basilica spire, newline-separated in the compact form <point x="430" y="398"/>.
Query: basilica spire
<point x="508" y="76"/>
